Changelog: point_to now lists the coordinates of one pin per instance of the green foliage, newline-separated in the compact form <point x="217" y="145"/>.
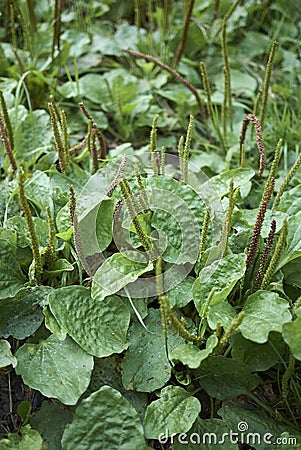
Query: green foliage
<point x="43" y="367"/>
<point x="89" y="428"/>
<point x="175" y="411"/>
<point x="98" y="338"/>
<point x="130" y="295"/>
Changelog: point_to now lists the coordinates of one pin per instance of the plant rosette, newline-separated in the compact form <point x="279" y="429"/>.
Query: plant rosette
<point x="160" y="209"/>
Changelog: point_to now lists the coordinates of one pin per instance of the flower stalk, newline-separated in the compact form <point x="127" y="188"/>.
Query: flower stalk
<point x="264" y="256"/>
<point x="262" y="157"/>
<point x="50" y="250"/>
<point x="229" y="333"/>
<point x="167" y="314"/>
<point x="286" y="181"/>
<point x="37" y="261"/>
<point x="6" y="120"/>
<point x="276" y="256"/>
<point x="259" y="222"/>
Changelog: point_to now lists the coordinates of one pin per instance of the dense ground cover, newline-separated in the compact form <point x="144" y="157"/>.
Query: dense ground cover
<point x="150" y="239"/>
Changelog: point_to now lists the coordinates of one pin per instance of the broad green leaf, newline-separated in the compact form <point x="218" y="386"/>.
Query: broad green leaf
<point x="50" y="421"/>
<point x="9" y="205"/>
<point x="249" y="217"/>
<point x="291" y="332"/>
<point x="104" y="222"/>
<point x="105" y="420"/>
<point x="292" y="273"/>
<point x="192" y="356"/>
<point x="52" y="324"/>
<point x="293" y="247"/>
<point x="18" y="224"/>
<point x="99" y="327"/>
<point x="264" y="312"/>
<point x="78" y="42"/>
<point x="229" y="270"/>
<point x="222" y="313"/>
<point x="62" y="220"/>
<point x="178" y="214"/>
<point x="6" y="356"/>
<point x="145" y="365"/>
<point x="220" y="183"/>
<point x="180" y="295"/>
<point x="107" y="372"/>
<point x="174" y="412"/>
<point x="74" y="175"/>
<point x="254" y="44"/>
<point x="115" y="273"/>
<point x="108" y="44"/>
<point x="241" y="83"/>
<point x="144" y="220"/>
<point x="212" y="160"/>
<point x="59" y="266"/>
<point x="11" y="276"/>
<point x="290" y="202"/>
<point x="208" y="434"/>
<point x="29" y="439"/>
<point x="225" y="378"/>
<point x="94" y="88"/>
<point x="258" y="357"/>
<point x="9" y="236"/>
<point x="127" y="35"/>
<point x="131" y="88"/>
<point x="33" y="135"/>
<point x="261" y="427"/>
<point x="22" y="315"/>
<point x="177" y="93"/>
<point x="38" y="189"/>
<point x="59" y="369"/>
<point x="69" y="89"/>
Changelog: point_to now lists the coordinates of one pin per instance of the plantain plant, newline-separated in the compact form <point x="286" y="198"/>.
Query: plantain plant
<point x="146" y="303"/>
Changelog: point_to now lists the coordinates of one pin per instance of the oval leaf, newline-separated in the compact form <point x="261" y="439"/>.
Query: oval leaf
<point x="100" y="328"/>
<point x="115" y="273"/>
<point x="225" y="378"/>
<point x="59" y="369"/>
<point x="291" y="333"/>
<point x="192" y="356"/>
<point x="105" y="420"/>
<point x="264" y="312"/>
<point x="174" y="412"/>
<point x="145" y="365"/>
<point x="230" y="269"/>
<point x="11" y="276"/>
<point x="22" y="315"/>
<point x="6" y="356"/>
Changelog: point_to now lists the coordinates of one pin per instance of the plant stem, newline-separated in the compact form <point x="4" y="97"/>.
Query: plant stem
<point x="7" y="146"/>
<point x="38" y="268"/>
<point x="264" y="256"/>
<point x="6" y="120"/>
<point x="266" y="83"/>
<point x="262" y="157"/>
<point x="259" y="222"/>
<point x="187" y="17"/>
<point x="186" y="150"/>
<point x="276" y="256"/>
<point x="227" y="90"/>
<point x="210" y="109"/>
<point x="286" y="182"/>
<point x="173" y="73"/>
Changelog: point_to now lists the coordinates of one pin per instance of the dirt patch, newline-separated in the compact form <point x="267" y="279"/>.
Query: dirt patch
<point x="13" y="392"/>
